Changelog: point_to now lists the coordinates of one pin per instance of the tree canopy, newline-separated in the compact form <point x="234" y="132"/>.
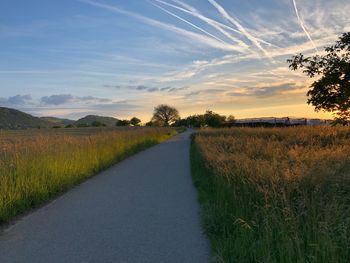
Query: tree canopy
<point x="331" y="91"/>
<point x="213" y="119"/>
<point x="165" y="115"/>
<point x="135" y="121"/>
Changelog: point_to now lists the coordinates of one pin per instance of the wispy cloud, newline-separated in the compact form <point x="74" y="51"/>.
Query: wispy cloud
<point x="151" y="89"/>
<point x="54" y="71"/>
<point x="205" y="91"/>
<point x="68" y="98"/>
<point x="27" y="30"/>
<point x="274" y="90"/>
<point x="190" y="35"/>
<point x="213" y="23"/>
<point x="235" y="22"/>
<point x="302" y="24"/>
<point x="195" y="54"/>
<point x="189" y="23"/>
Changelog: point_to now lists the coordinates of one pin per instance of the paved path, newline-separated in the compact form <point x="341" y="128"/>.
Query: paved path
<point x="142" y="210"/>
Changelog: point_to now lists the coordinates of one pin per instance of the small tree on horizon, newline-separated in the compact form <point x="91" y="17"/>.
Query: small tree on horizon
<point x="135" y="121"/>
<point x="209" y="119"/>
<point x="213" y="119"/>
<point x="331" y="92"/>
<point x="230" y="121"/>
<point x="165" y="115"/>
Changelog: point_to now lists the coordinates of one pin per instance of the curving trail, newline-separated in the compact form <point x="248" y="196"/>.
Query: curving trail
<point x="144" y="209"/>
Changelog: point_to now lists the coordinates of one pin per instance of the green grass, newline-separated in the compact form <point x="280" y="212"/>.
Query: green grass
<point x="275" y="195"/>
<point x="37" y="166"/>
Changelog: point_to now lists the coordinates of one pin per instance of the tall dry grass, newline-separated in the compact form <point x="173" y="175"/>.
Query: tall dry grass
<point x="275" y="194"/>
<point x="35" y="166"/>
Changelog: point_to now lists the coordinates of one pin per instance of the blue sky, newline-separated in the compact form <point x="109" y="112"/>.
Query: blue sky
<point x="70" y="58"/>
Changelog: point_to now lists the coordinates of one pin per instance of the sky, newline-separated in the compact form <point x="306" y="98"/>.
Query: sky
<point x="71" y="58"/>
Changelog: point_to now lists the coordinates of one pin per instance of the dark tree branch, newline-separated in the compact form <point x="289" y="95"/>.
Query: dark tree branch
<point x="331" y="92"/>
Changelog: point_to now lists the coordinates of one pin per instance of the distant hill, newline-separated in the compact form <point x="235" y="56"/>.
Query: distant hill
<point x="88" y="120"/>
<point x="58" y="121"/>
<point x="15" y="119"/>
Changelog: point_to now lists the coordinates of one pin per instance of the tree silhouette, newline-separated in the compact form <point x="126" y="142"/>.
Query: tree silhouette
<point x="331" y="91"/>
<point x="165" y="115"/>
<point x="135" y="121"/>
<point x="213" y="119"/>
<point x="209" y="119"/>
<point x="230" y="121"/>
<point x="196" y="121"/>
<point x="122" y="123"/>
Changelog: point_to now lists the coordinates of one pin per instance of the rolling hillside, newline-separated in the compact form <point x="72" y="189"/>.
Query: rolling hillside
<point x="88" y="120"/>
<point x="15" y="119"/>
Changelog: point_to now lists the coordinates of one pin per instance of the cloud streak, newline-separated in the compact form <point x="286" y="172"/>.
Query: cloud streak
<point x="62" y="99"/>
<point x="301" y="22"/>
<point x="215" y="24"/>
<point x="262" y="92"/>
<point x="150" y="89"/>
<point x="242" y="29"/>
<point x="195" y="37"/>
<point x="189" y="23"/>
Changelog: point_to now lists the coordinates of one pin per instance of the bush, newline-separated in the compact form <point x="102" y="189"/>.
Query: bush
<point x="83" y="125"/>
<point x="97" y="124"/>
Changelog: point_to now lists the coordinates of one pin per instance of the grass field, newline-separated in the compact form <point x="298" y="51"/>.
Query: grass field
<point x="275" y="194"/>
<point x="36" y="165"/>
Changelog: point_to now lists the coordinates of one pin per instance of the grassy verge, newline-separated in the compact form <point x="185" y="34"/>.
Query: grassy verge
<point x="275" y="195"/>
<point x="36" y="168"/>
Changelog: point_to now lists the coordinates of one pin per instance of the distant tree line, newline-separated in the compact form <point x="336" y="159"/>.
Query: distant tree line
<point x="165" y="115"/>
<point x="132" y="122"/>
<point x="120" y="123"/>
<point x="208" y="119"/>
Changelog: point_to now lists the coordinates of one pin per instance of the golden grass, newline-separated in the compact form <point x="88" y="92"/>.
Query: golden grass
<point x="37" y="165"/>
<point x="275" y="194"/>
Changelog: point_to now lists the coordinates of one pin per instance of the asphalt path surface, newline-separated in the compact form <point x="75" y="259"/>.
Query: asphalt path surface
<point x="143" y="209"/>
